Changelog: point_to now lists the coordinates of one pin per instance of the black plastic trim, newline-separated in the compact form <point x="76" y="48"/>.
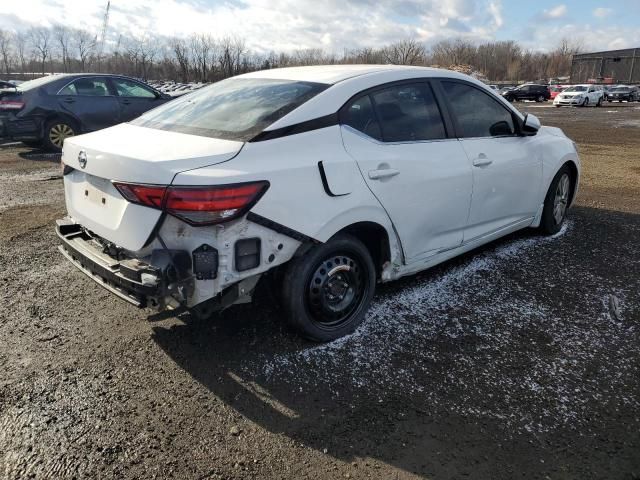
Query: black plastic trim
<point x="325" y="183"/>
<point x="309" y="125"/>
<point x="278" y="227"/>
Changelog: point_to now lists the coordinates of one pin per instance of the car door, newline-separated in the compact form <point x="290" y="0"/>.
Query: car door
<point x="418" y="172"/>
<point x="134" y="98"/>
<point x="507" y="168"/>
<point x="90" y="102"/>
<point x="592" y="94"/>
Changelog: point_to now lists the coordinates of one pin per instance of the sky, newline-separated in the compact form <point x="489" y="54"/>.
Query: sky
<point x="286" y="25"/>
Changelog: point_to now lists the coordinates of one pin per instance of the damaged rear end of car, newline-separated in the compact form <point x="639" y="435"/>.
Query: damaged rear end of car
<point x="137" y="228"/>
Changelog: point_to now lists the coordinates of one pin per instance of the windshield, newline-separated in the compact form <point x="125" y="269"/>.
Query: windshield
<point x="24" y="86"/>
<point x="621" y="89"/>
<point x="578" y="88"/>
<point x="232" y="109"/>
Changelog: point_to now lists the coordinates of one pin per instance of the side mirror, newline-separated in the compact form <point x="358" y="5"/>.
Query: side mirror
<point x="531" y="124"/>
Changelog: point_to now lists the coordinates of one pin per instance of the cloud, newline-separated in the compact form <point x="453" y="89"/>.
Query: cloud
<point x="555" y="13"/>
<point x="602" y="12"/>
<point x="273" y="24"/>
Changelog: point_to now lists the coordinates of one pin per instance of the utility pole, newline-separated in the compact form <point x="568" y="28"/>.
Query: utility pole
<point x="103" y="33"/>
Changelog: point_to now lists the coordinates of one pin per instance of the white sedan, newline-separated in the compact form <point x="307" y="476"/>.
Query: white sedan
<point x="321" y="181"/>
<point x="580" y="96"/>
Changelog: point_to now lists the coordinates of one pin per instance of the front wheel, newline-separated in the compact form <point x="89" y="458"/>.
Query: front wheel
<point x="327" y="291"/>
<point x="585" y="103"/>
<point x="556" y="202"/>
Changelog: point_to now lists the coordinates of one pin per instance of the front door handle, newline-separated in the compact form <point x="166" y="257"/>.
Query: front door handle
<point x="482" y="161"/>
<point x="69" y="100"/>
<point x="383" y="173"/>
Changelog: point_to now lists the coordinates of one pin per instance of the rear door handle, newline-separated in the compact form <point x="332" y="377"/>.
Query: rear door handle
<point x="69" y="100"/>
<point x="482" y="161"/>
<point x="383" y="173"/>
<point x="126" y="102"/>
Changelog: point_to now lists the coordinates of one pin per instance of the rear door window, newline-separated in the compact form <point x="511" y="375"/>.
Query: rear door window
<point x="476" y="113"/>
<point x="408" y="113"/>
<point x="128" y="88"/>
<point x="361" y="116"/>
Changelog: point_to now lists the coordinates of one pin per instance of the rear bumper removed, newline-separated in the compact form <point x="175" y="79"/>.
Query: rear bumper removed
<point x="131" y="280"/>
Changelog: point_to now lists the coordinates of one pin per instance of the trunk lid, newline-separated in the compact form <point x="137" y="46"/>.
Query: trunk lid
<point x="128" y="153"/>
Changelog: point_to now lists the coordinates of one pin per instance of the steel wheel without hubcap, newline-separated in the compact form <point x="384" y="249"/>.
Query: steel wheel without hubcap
<point x="561" y="199"/>
<point x="335" y="291"/>
<point x="58" y="132"/>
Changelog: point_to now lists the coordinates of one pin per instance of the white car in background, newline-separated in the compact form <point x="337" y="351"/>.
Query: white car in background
<point x="320" y="180"/>
<point x="580" y="96"/>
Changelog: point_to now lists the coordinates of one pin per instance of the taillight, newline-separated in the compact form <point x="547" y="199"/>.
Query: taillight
<point x="147" y="195"/>
<point x="11" y="105"/>
<point x="197" y="205"/>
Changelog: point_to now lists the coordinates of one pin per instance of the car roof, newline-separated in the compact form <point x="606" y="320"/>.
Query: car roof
<point x="331" y="74"/>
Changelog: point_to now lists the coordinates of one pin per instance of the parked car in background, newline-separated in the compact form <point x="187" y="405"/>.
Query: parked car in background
<point x="503" y="90"/>
<point x="624" y="93"/>
<point x="531" y="91"/>
<point x="45" y="111"/>
<point x="580" y="96"/>
<point x="321" y="180"/>
<point x="554" y="90"/>
<point x="6" y="85"/>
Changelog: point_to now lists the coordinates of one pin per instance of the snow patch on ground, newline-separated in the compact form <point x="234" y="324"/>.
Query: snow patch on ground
<point x="468" y="316"/>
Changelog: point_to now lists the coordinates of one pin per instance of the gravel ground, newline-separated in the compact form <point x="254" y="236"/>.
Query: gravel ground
<point x="519" y="360"/>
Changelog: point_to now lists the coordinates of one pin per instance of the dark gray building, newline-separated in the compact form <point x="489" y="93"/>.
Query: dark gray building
<point x="622" y="66"/>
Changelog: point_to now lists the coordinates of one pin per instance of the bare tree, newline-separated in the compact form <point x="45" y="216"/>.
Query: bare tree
<point x="6" y="50"/>
<point x="40" y="38"/>
<point x="22" y="41"/>
<point x="62" y="36"/>
<point x="84" y="44"/>
<point x="405" y="52"/>
<point x="181" y="54"/>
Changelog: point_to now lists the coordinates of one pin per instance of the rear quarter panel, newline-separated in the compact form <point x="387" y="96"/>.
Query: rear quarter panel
<point x="296" y="197"/>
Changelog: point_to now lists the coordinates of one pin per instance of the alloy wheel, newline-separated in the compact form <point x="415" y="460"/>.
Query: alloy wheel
<point x="561" y="199"/>
<point x="58" y="132"/>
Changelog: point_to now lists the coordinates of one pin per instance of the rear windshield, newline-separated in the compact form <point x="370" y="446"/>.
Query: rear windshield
<point x="25" y="86"/>
<point x="232" y="109"/>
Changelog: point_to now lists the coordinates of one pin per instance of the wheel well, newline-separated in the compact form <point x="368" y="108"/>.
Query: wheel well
<point x="573" y="170"/>
<point x="375" y="238"/>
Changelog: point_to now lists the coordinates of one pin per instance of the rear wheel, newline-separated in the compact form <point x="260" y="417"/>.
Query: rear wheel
<point x="556" y="202"/>
<point x="327" y="291"/>
<point x="599" y="104"/>
<point x="540" y="98"/>
<point x="55" y="132"/>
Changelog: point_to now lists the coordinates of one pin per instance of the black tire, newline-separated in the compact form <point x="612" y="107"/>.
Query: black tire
<point x="327" y="291"/>
<point x="549" y="224"/>
<point x="585" y="103"/>
<point x="599" y="104"/>
<point x="55" y="131"/>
